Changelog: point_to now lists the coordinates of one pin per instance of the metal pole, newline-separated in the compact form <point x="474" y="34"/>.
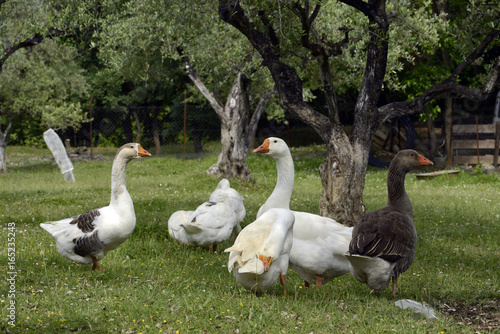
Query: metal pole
<point x="184" y="148"/>
<point x="91" y="143"/>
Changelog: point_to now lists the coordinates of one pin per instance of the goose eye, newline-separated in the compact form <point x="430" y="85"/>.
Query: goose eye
<point x="275" y="141"/>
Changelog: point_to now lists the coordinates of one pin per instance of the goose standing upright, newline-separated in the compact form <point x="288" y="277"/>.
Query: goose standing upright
<point x="318" y="242"/>
<point x="260" y="252"/>
<point x="384" y="242"/>
<point x="87" y="238"/>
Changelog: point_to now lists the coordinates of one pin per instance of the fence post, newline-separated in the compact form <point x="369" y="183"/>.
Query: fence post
<point x="497" y="140"/>
<point x="184" y="145"/>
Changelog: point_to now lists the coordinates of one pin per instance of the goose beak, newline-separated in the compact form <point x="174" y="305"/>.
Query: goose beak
<point x="267" y="261"/>
<point x="143" y="152"/>
<point x="423" y="161"/>
<point x="264" y="148"/>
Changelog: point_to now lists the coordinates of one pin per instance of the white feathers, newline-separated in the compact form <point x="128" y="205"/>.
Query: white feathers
<point x="270" y="236"/>
<point x="416" y="307"/>
<point x="212" y="222"/>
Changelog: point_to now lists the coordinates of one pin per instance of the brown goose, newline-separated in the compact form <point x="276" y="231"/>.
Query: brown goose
<point x="86" y="238"/>
<point x="383" y="242"/>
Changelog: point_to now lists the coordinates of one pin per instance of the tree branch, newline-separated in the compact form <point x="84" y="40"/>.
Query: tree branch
<point x="288" y="83"/>
<point x="254" y="120"/>
<point x="196" y="79"/>
<point x="449" y="87"/>
<point x="35" y="40"/>
<point x="494" y="33"/>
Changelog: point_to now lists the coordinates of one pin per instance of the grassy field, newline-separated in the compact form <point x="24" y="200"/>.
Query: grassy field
<point x="150" y="284"/>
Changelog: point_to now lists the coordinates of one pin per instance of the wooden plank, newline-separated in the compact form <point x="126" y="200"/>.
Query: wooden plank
<point x="472" y="159"/>
<point x="464" y="129"/>
<point x="473" y="144"/>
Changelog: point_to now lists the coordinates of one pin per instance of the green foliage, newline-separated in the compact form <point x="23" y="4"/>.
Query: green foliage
<point x="46" y="83"/>
<point x="151" y="284"/>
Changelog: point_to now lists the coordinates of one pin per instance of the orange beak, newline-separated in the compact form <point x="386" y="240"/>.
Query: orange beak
<point x="264" y="148"/>
<point x="423" y="161"/>
<point x="267" y="261"/>
<point x="143" y="152"/>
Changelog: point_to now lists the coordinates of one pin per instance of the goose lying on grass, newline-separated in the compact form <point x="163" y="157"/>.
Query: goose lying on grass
<point x="87" y="238"/>
<point x="384" y="241"/>
<point x="260" y="253"/>
<point x="212" y="222"/>
<point x="318" y="242"/>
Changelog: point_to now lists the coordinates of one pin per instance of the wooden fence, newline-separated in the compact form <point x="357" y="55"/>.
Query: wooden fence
<point x="475" y="144"/>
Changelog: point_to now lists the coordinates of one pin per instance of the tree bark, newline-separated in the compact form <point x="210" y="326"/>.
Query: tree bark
<point x="234" y="120"/>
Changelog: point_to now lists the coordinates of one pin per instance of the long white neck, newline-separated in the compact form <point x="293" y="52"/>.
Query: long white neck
<point x="280" y="198"/>
<point x="118" y="180"/>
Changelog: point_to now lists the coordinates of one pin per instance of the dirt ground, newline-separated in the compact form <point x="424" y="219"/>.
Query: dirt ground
<point x="485" y="317"/>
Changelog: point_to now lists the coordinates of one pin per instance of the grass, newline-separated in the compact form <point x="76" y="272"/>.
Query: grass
<point x="150" y="284"/>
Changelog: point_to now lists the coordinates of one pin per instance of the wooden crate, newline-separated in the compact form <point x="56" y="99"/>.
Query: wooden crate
<point x="475" y="143"/>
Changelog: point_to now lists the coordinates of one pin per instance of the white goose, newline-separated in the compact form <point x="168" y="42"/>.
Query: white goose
<point x="212" y="222"/>
<point x="87" y="238"/>
<point x="318" y="242"/>
<point x="260" y="253"/>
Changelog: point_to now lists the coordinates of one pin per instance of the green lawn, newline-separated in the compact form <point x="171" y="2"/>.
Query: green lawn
<point x="150" y="284"/>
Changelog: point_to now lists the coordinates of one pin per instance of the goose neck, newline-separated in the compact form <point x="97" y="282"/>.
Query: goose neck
<point x="396" y="191"/>
<point x="286" y="174"/>
<point x="118" y="178"/>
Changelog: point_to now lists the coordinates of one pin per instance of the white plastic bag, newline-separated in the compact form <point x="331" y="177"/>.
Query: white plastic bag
<point x="59" y="152"/>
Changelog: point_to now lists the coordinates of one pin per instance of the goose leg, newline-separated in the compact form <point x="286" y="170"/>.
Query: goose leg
<point x="283" y="280"/>
<point x="319" y="279"/>
<point x="96" y="265"/>
<point x="394" y="286"/>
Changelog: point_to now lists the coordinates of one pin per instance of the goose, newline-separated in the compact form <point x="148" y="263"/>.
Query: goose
<point x="212" y="222"/>
<point x="318" y="242"/>
<point x="260" y="253"/>
<point x="384" y="241"/>
<point x="86" y="238"/>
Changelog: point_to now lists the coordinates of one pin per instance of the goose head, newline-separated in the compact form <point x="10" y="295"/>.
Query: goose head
<point x="274" y="147"/>
<point x="408" y="160"/>
<point x="132" y="151"/>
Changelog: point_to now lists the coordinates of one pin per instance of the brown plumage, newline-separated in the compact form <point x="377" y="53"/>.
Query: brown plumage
<point x="383" y="242"/>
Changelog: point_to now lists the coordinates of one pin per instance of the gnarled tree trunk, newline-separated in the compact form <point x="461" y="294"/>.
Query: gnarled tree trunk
<point x="234" y="119"/>
<point x="237" y="126"/>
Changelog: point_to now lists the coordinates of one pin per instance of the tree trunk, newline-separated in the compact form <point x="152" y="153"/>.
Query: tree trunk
<point x="3" y="145"/>
<point x="138" y="126"/>
<point x="156" y="135"/>
<point x="3" y="162"/>
<point x="234" y="120"/>
<point x="343" y="180"/>
<point x="236" y="127"/>
<point x="127" y="127"/>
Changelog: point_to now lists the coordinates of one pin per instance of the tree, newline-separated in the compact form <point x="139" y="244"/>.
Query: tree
<point x="189" y="33"/>
<point x="44" y="82"/>
<point x="382" y="29"/>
